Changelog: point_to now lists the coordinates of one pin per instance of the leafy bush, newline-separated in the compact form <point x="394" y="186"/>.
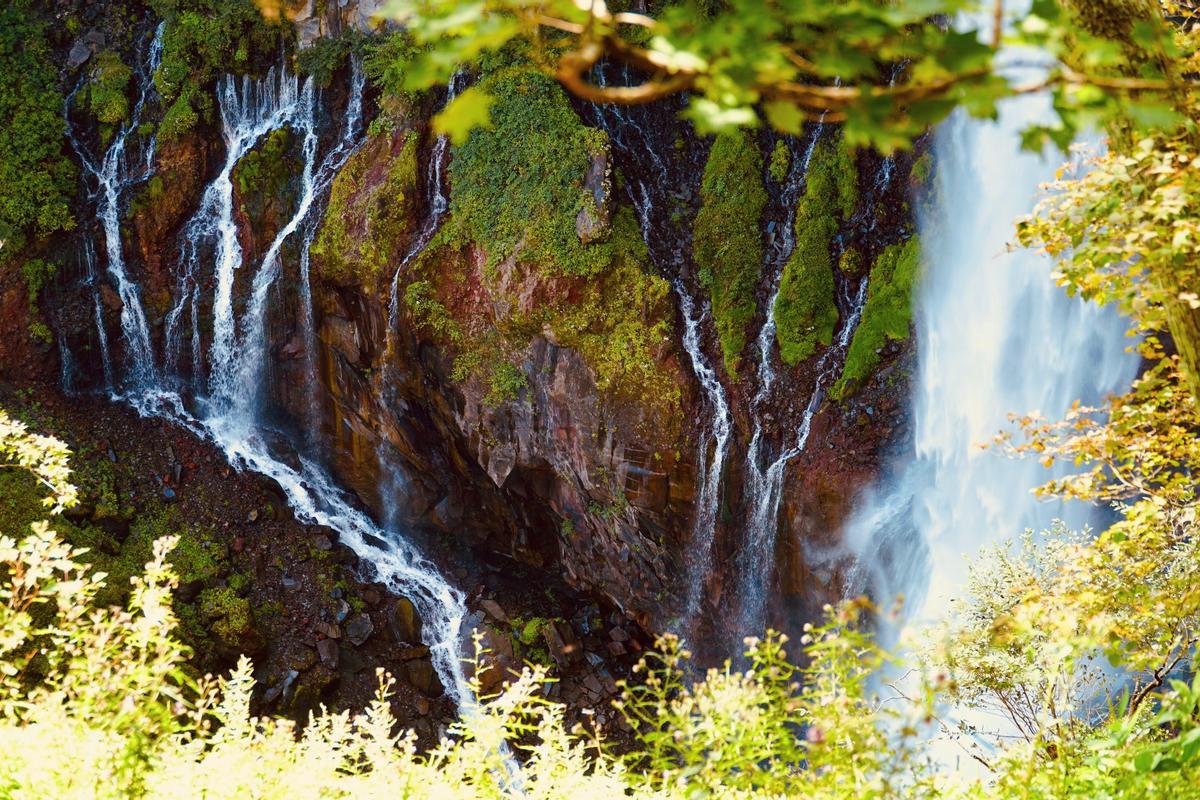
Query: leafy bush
<point x="203" y="40"/>
<point x="38" y="179"/>
<point x="728" y="238"/>
<point x="96" y="702"/>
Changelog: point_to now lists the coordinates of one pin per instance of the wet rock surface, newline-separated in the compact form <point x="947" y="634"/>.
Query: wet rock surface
<point x="315" y="625"/>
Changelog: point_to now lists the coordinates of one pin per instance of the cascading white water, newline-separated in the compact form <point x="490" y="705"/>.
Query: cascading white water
<point x="247" y="116"/>
<point x="237" y="390"/>
<point x="995" y="336"/>
<point x="666" y="246"/>
<point x="764" y="487"/>
<point x="112" y="178"/>
<point x="249" y="111"/>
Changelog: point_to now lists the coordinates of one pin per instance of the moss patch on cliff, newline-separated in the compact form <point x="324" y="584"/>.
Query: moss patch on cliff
<point x="728" y="238"/>
<point x="618" y="320"/>
<point x="107" y="91"/>
<point x="203" y="40"/>
<point x="519" y="184"/>
<point x="371" y="207"/>
<point x="806" y="311"/>
<point x="263" y="179"/>
<point x="886" y="315"/>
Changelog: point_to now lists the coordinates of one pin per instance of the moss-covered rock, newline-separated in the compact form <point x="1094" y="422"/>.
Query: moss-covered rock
<point x="509" y="264"/>
<point x="108" y="89"/>
<point x="728" y="238"/>
<point x="886" y="315"/>
<point x="264" y="182"/>
<point x="371" y="211"/>
<point x="520" y="184"/>
<point x="806" y="311"/>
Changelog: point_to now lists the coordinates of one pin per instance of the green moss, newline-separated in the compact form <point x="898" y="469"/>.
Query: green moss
<point x="108" y="89"/>
<point x="203" y="40"/>
<point x="519" y="184"/>
<point x="886" y="315"/>
<point x="728" y="240"/>
<point x="228" y="615"/>
<point x="527" y="639"/>
<point x="806" y="312"/>
<point x="505" y="383"/>
<point x="267" y="168"/>
<point x="781" y="161"/>
<point x="620" y="321"/>
<point x="368" y="218"/>
<point x="180" y="116"/>
<point x="921" y="171"/>
<point x="852" y="260"/>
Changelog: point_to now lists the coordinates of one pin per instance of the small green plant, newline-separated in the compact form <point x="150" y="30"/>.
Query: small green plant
<point x="505" y="384"/>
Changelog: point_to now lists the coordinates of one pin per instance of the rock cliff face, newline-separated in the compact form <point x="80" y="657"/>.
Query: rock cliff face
<point x="524" y="394"/>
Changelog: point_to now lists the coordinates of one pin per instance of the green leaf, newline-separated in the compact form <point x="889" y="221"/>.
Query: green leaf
<point x="710" y="117"/>
<point x="784" y="117"/>
<point x="1150" y="115"/>
<point x="470" y="110"/>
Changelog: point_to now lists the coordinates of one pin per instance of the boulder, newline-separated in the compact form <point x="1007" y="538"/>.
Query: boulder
<point x="404" y="623"/>
<point x="359" y="629"/>
<point x="423" y="677"/>
<point x="327" y="651"/>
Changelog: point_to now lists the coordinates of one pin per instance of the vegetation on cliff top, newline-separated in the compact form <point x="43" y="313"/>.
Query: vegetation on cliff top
<point x="727" y="238"/>
<point x="37" y="178"/>
<point x="518" y="185"/>
<point x="517" y="191"/>
<point x="806" y="311"/>
<point x="886" y="315"/>
<point x="203" y="40"/>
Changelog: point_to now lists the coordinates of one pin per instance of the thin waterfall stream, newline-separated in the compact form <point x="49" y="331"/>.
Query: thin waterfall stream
<point x="631" y="131"/>
<point x="113" y="178"/>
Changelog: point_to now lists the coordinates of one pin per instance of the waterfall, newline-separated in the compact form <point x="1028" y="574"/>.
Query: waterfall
<point x="112" y="177"/>
<point x="237" y="388"/>
<point x="437" y="189"/>
<point x="765" y="486"/>
<point x="87" y="253"/>
<point x="995" y="336"/>
<point x="632" y="134"/>
<point x="249" y="111"/>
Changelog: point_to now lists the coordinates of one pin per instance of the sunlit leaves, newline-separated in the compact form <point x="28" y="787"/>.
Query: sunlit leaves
<point x="469" y="110"/>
